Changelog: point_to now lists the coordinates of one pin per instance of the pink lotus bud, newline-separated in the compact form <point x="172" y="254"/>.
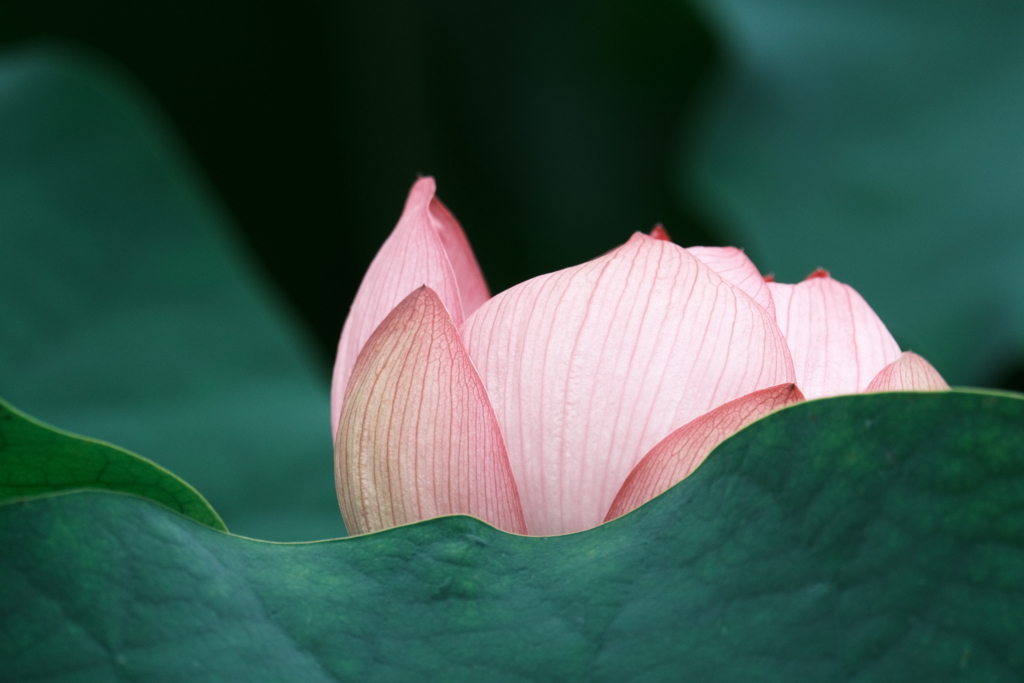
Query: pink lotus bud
<point x="578" y="395"/>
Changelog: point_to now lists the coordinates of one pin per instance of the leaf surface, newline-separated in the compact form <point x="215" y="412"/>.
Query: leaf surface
<point x="869" y="538"/>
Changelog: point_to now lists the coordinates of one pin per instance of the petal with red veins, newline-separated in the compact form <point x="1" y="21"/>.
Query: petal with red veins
<point x="589" y="367"/>
<point x="838" y="343"/>
<point x="679" y="454"/>
<point x="909" y="372"/>
<point x="427" y="247"/>
<point x="734" y="267"/>
<point x="417" y="436"/>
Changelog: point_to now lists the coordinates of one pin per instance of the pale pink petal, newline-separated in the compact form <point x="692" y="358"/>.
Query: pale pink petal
<point x="734" y="267"/>
<point x="417" y="436"/>
<point x="909" y="372"/>
<point x="589" y="367"/>
<point x="473" y="291"/>
<point x="838" y="343"/>
<point x="678" y="454"/>
<point x="427" y="247"/>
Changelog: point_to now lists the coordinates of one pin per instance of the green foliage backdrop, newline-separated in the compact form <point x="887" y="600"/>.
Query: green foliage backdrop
<point x="884" y="141"/>
<point x="130" y="314"/>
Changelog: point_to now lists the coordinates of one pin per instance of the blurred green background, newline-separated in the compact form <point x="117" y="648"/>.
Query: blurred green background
<point x="550" y="126"/>
<point x="190" y="192"/>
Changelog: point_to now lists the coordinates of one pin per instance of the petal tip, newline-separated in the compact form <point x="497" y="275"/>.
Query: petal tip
<point x="417" y="437"/>
<point x="682" y="451"/>
<point x="909" y="372"/>
<point x="420" y="194"/>
<point x="660" y="233"/>
<point x="425" y="183"/>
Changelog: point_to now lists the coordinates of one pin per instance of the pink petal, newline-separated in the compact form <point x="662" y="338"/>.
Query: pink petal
<point x="589" y="367"/>
<point x="417" y="436"/>
<point x="838" y="343"/>
<point x="659" y="232"/>
<point x="736" y="269"/>
<point x="427" y="247"/>
<point x="678" y="454"/>
<point x="909" y="372"/>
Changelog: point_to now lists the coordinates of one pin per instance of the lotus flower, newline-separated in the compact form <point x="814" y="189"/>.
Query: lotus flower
<point x="576" y="396"/>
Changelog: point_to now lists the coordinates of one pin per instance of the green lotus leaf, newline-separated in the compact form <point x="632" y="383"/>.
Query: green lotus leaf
<point x="868" y="538"/>
<point x="129" y="312"/>
<point x="37" y="459"/>
<point x="877" y="140"/>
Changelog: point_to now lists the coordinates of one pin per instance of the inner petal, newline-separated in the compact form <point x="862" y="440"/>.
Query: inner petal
<point x="589" y="367"/>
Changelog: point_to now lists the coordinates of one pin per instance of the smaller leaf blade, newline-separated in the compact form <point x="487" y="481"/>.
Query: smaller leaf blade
<point x="36" y="459"/>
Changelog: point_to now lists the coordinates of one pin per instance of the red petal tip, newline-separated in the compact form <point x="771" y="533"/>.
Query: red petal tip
<point x="660" y="233"/>
<point x="770" y="277"/>
<point x="818" y="272"/>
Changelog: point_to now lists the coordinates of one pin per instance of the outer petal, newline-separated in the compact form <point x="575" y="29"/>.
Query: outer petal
<point x="735" y="268"/>
<point x="589" y="367"/>
<point x="910" y="372"/>
<point x="838" y="343"/>
<point x="426" y="247"/>
<point x="417" y="436"/>
<point x="678" y="454"/>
